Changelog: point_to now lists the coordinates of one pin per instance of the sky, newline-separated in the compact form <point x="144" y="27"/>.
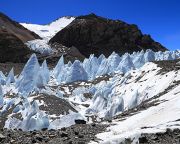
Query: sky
<point x="159" y="18"/>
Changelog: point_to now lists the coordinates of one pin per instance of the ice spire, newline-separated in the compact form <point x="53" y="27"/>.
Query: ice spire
<point x="126" y="64"/>
<point x="28" y="79"/>
<point x="1" y="97"/>
<point x="113" y="61"/>
<point x="116" y="106"/>
<point x="59" y="67"/>
<point x="10" y="78"/>
<point x="100" y="58"/>
<point x="2" y="78"/>
<point x="45" y="71"/>
<point x="76" y="73"/>
<point x="103" y="68"/>
<point x="91" y="65"/>
<point x="167" y="55"/>
<point x="149" y="56"/>
<point x="139" y="60"/>
<point x="30" y="122"/>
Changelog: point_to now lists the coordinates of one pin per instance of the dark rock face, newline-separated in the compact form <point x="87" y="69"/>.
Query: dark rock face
<point x="12" y="38"/>
<point x="16" y="29"/>
<point x="12" y="49"/>
<point x="94" y="34"/>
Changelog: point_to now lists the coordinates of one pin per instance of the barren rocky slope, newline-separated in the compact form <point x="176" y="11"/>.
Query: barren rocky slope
<point x="12" y="38"/>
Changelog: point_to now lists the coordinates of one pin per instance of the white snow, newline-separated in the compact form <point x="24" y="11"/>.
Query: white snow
<point x="155" y="119"/>
<point x="46" y="32"/>
<point x="49" y="30"/>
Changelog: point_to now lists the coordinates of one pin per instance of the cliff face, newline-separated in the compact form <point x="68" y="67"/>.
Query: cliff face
<point x="94" y="34"/>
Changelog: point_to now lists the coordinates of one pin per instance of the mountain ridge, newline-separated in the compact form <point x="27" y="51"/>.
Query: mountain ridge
<point x="15" y="28"/>
<point x="98" y="35"/>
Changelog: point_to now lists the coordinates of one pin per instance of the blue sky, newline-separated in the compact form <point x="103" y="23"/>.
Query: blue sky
<point x="159" y="18"/>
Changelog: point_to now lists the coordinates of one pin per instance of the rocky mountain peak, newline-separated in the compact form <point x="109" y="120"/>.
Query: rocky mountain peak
<point x="98" y="35"/>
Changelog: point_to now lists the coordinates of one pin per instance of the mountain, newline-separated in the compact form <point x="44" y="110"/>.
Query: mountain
<point x="54" y="51"/>
<point x="12" y="38"/>
<point x="16" y="29"/>
<point x="78" y="37"/>
<point x="109" y="96"/>
<point x="98" y="35"/>
<point x="12" y="49"/>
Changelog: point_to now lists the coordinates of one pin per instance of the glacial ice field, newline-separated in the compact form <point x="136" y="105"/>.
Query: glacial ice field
<point x="97" y="88"/>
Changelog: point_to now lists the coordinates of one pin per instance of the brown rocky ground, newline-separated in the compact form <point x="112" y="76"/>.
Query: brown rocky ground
<point x="76" y="134"/>
<point x="169" y="137"/>
<point x="54" y="105"/>
<point x="6" y="67"/>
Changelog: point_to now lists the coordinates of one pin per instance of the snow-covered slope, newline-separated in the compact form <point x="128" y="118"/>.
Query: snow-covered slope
<point x="158" y="114"/>
<point x="46" y="32"/>
<point x="49" y="30"/>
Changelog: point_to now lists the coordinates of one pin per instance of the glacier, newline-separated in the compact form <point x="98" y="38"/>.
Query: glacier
<point x="33" y="118"/>
<point x="41" y="46"/>
<point x="36" y="76"/>
<point x="46" y="32"/>
<point x="106" y="98"/>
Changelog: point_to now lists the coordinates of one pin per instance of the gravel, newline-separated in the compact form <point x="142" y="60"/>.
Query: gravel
<point x="76" y="134"/>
